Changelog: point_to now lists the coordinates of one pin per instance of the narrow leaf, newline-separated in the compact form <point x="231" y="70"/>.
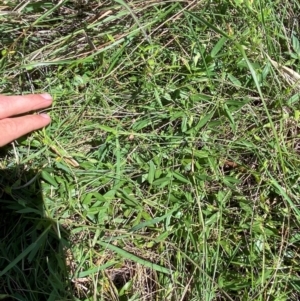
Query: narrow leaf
<point x="152" y="221"/>
<point x="24" y="253"/>
<point x="48" y="178"/>
<point x="135" y="258"/>
<point x="218" y="47"/>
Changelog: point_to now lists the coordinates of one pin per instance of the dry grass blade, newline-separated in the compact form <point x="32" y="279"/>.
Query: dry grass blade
<point x="290" y="76"/>
<point x="3" y="13"/>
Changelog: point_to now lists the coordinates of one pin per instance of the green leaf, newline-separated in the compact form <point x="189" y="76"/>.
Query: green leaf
<point x="218" y="47"/>
<point x="181" y="178"/>
<point x="129" y="199"/>
<point x="152" y="221"/>
<point x="48" y="178"/>
<point x="151" y="172"/>
<point x="230" y="117"/>
<point x="200" y="97"/>
<point x="108" y="129"/>
<point x="296" y="44"/>
<point x="285" y="196"/>
<point x="202" y="122"/>
<point x="234" y="80"/>
<point x="130" y="256"/>
<point x="24" y="253"/>
<point x="293" y="99"/>
<point x="96" y="270"/>
<point x="162" y="181"/>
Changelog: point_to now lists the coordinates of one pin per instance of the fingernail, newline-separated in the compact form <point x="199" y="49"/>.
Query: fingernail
<point x="46" y="116"/>
<point x="46" y="96"/>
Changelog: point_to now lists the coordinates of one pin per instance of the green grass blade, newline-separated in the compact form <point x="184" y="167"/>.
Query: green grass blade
<point x="24" y="253"/>
<point x="126" y="255"/>
<point x="152" y="221"/>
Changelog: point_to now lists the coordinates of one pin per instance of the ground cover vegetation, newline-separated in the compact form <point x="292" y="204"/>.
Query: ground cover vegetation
<point x="170" y="170"/>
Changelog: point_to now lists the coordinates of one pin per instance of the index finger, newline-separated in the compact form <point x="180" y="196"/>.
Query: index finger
<point x="13" y="128"/>
<point x="15" y="105"/>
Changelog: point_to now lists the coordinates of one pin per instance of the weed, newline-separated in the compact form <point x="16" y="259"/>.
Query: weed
<point x="169" y="171"/>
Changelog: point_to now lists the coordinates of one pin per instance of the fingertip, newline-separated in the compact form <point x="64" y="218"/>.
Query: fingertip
<point x="16" y="105"/>
<point x="46" y="116"/>
<point x="46" y="96"/>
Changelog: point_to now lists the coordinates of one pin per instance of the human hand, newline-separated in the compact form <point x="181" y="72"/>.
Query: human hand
<point x="13" y="128"/>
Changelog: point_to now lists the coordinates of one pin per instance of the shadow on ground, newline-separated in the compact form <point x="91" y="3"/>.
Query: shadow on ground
<point x="32" y="246"/>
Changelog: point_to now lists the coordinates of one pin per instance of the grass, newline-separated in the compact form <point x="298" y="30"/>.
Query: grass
<point x="170" y="170"/>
